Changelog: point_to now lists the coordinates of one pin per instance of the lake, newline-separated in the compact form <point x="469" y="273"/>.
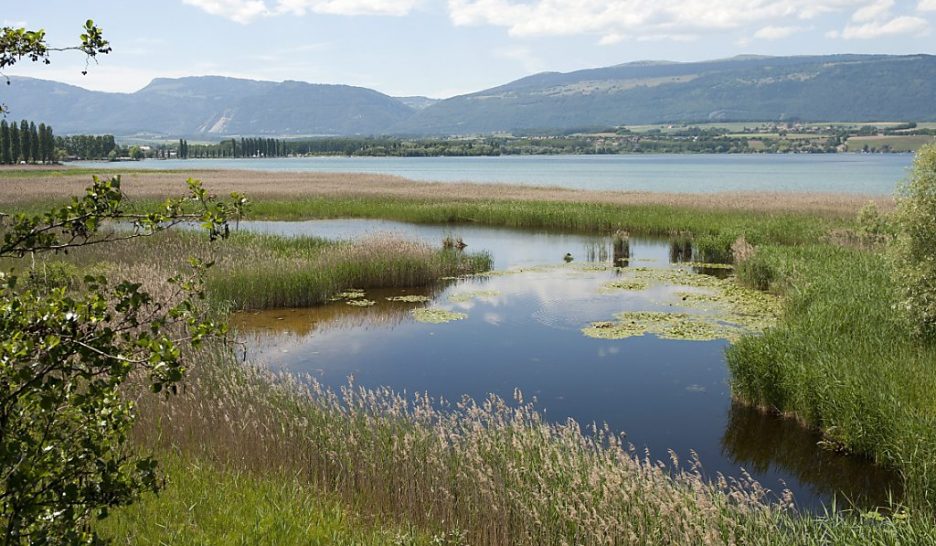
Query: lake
<point x="523" y="329"/>
<point x="871" y="174"/>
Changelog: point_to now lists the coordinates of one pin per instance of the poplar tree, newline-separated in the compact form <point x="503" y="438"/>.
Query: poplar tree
<point x="16" y="143"/>
<point x="33" y="142"/>
<point x="25" y="145"/>
<point x="50" y="144"/>
<point x="43" y="143"/>
<point x="5" y="153"/>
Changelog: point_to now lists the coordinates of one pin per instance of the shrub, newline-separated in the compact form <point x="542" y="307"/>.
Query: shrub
<point x="915" y="248"/>
<point x="715" y="247"/>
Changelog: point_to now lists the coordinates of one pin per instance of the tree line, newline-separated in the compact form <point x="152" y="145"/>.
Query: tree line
<point x="245" y="147"/>
<point x="88" y="146"/>
<point x="697" y="141"/>
<point x="25" y="142"/>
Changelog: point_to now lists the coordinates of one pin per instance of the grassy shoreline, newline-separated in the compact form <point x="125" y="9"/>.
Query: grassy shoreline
<point x="843" y="361"/>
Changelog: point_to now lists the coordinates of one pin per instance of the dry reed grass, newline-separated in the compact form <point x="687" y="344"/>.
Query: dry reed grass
<point x="285" y="185"/>
<point x="492" y="472"/>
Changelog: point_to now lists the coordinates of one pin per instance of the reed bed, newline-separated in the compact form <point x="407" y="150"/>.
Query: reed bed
<point x="485" y="472"/>
<point x="378" y="261"/>
<point x="843" y="360"/>
<point x="37" y="184"/>
<point x="647" y="219"/>
<point x="256" y="271"/>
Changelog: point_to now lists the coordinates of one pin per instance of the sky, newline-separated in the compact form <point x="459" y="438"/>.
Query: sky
<point x="442" y="48"/>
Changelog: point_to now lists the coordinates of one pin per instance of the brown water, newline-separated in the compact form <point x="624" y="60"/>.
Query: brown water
<point x="524" y="332"/>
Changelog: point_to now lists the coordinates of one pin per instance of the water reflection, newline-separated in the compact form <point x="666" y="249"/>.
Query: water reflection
<point x="680" y="250"/>
<point x="335" y="316"/>
<point x="764" y="444"/>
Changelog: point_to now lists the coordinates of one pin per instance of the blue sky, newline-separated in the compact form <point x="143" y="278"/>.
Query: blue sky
<point x="441" y="48"/>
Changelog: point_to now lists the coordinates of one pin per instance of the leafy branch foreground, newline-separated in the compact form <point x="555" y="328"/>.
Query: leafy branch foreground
<point x="66" y="353"/>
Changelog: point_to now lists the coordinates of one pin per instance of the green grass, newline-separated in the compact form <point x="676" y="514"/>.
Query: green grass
<point x="843" y="360"/>
<point x="301" y="272"/>
<point x="204" y="505"/>
<point x="784" y="228"/>
<point x="758" y="226"/>
<point x="67" y="170"/>
<point x="257" y="271"/>
<point x="908" y="143"/>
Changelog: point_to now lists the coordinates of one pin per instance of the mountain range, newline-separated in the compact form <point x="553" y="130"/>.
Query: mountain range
<point x="810" y="88"/>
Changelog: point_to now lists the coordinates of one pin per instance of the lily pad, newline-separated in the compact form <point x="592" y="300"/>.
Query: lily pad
<point x="349" y="294"/>
<point x="436" y="315"/>
<point x="625" y="284"/>
<point x="410" y="298"/>
<point x="614" y="330"/>
<point x="464" y="297"/>
<point x="684" y="326"/>
<point x="707" y="265"/>
<point x="361" y="302"/>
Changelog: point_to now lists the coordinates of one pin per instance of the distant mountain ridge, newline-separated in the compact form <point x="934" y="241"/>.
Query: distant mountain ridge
<point x="825" y="88"/>
<point x="747" y="88"/>
<point x="208" y="106"/>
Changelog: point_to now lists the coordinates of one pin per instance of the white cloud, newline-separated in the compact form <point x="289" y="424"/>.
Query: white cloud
<point x="771" y="32"/>
<point x="906" y="25"/>
<point x="347" y="7"/>
<point x="241" y="11"/>
<point x="873" y="11"/>
<point x="614" y="20"/>
<point x="246" y="11"/>
<point x="926" y="5"/>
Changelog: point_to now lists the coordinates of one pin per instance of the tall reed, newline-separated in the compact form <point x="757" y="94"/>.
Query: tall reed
<point x="256" y="271"/>
<point x="487" y="472"/>
<point x="843" y="359"/>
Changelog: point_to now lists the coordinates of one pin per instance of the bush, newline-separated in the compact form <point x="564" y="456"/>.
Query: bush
<point x="915" y="248"/>
<point x="715" y="248"/>
<point x="756" y="272"/>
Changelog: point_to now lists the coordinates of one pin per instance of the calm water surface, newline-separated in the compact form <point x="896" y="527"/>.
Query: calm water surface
<point x="665" y="394"/>
<point x="873" y="174"/>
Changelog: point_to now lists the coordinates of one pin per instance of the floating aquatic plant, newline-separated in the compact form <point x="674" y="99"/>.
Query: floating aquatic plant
<point x="464" y="297"/>
<point x="614" y="330"/>
<point x="436" y="315"/>
<point x="727" y="309"/>
<point x="362" y="302"/>
<point x="410" y="298"/>
<point x="625" y="284"/>
<point x="707" y="265"/>
<point x="349" y="294"/>
<point x="693" y="327"/>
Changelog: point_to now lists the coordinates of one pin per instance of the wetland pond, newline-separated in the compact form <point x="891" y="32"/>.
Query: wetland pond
<point x="557" y="320"/>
